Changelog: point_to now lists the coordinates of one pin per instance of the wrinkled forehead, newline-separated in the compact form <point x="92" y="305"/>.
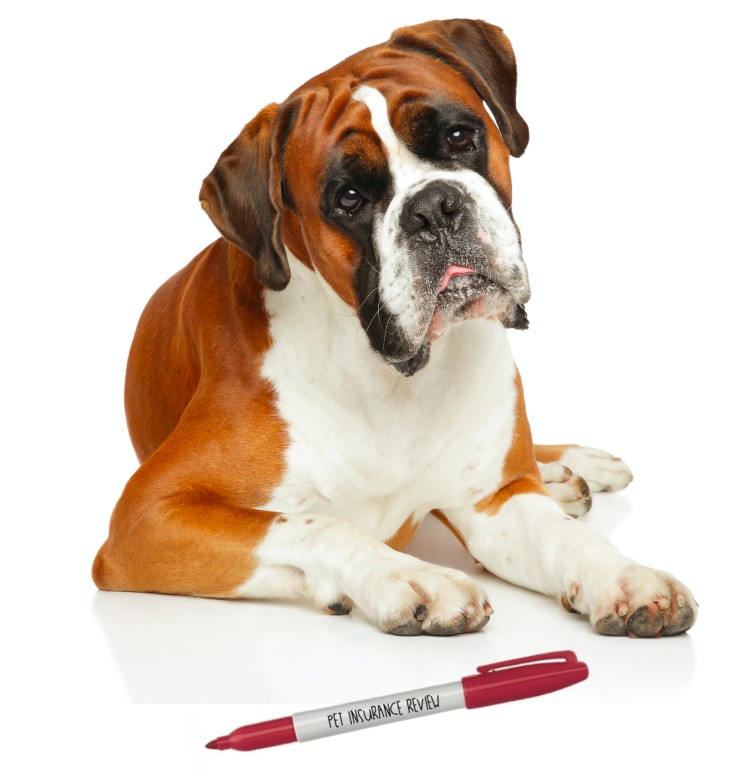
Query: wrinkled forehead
<point x="420" y="84"/>
<point x="331" y="126"/>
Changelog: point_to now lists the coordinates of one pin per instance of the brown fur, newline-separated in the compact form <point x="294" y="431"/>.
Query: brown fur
<point x="546" y="454"/>
<point x="519" y="473"/>
<point x="209" y="442"/>
<point x="400" y="540"/>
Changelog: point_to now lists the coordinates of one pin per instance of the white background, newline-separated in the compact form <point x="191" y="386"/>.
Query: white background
<point x="113" y="114"/>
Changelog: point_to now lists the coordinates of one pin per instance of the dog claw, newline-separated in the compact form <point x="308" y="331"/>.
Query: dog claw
<point x="339" y="608"/>
<point x="611" y="625"/>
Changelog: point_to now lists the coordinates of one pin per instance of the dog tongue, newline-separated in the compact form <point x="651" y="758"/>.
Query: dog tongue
<point x="451" y="272"/>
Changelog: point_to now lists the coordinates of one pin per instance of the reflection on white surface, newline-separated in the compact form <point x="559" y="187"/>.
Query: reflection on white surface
<point x="182" y="649"/>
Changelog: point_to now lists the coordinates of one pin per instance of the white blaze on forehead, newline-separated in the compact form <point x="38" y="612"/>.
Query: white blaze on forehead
<point x="404" y="165"/>
<point x="378" y="108"/>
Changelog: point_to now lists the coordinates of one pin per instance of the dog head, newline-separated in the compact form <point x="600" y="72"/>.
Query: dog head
<point x="388" y="177"/>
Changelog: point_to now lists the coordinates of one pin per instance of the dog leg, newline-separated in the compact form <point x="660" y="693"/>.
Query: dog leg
<point x="200" y="544"/>
<point x="524" y="537"/>
<point x="337" y="562"/>
<point x="190" y="543"/>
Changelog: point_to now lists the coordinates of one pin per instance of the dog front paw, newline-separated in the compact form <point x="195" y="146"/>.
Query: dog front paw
<point x="634" y="601"/>
<point x="569" y="490"/>
<point x="600" y="470"/>
<point x="422" y="598"/>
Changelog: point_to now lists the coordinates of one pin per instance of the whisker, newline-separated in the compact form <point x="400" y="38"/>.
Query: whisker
<point x="374" y="269"/>
<point x="385" y="333"/>
<point x="373" y="319"/>
<point x="357" y="310"/>
<point x="366" y="299"/>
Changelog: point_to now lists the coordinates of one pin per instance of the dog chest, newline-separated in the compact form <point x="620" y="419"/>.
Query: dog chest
<point x="370" y="445"/>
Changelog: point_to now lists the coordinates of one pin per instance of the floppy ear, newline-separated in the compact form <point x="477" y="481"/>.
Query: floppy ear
<point x="483" y="54"/>
<point x="242" y="196"/>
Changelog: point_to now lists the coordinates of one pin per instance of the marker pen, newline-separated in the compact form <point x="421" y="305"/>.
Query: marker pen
<point x="519" y="678"/>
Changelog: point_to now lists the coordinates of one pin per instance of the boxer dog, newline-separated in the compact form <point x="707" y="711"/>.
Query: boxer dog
<point x="336" y="366"/>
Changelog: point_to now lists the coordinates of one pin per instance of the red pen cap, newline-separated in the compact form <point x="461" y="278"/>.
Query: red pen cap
<point x="521" y="678"/>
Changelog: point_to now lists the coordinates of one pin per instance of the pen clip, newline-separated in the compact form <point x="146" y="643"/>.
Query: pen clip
<point x="568" y="656"/>
<point x="521" y="678"/>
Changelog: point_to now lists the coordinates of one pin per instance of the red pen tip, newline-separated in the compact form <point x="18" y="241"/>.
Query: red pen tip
<point x="212" y="745"/>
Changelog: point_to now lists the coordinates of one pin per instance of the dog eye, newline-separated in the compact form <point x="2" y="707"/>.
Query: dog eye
<point x="460" y="139"/>
<point x="349" y="200"/>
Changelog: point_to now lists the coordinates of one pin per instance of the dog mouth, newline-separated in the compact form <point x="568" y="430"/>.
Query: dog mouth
<point x="464" y="293"/>
<point x="454" y="271"/>
<point x="463" y="289"/>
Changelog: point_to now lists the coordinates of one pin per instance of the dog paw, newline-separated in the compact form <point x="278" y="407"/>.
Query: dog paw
<point x="426" y="599"/>
<point x="600" y="470"/>
<point x="636" y="601"/>
<point x="568" y="489"/>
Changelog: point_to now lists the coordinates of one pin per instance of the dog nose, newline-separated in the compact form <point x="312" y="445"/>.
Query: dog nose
<point x="435" y="207"/>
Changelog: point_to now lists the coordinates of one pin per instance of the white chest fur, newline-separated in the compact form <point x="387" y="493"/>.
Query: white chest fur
<point x="367" y="444"/>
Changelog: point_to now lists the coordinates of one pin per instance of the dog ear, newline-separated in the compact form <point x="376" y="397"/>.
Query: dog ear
<point x="242" y="196"/>
<point x="483" y="54"/>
